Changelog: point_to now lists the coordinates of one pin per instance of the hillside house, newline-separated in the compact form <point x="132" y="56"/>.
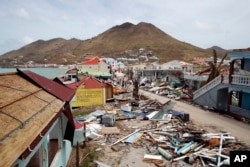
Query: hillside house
<point x="141" y="50"/>
<point x="37" y="126"/>
<point x="95" y="67"/>
<point x="114" y="64"/>
<point x="187" y="67"/>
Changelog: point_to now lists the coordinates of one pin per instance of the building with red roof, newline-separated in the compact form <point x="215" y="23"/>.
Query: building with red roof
<point x="91" y="61"/>
<point x="94" y="66"/>
<point x="88" y="92"/>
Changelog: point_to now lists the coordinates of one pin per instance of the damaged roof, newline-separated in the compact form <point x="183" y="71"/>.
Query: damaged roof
<point x="86" y="82"/>
<point x="28" y="104"/>
<point x="60" y="91"/>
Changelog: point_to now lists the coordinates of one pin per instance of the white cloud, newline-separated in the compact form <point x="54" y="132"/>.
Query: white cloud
<point x="27" y="40"/>
<point x="65" y="18"/>
<point x="205" y="26"/>
<point x="23" y="14"/>
<point x="100" y="22"/>
<point x="9" y="44"/>
<point x="169" y="24"/>
<point x="3" y="14"/>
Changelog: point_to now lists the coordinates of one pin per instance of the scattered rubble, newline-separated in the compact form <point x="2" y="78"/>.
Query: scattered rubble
<point x="168" y="137"/>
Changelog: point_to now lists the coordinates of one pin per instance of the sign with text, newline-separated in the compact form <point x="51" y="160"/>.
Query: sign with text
<point x="239" y="158"/>
<point x="88" y="97"/>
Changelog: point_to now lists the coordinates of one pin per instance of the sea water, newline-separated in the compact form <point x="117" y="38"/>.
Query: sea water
<point x="50" y="73"/>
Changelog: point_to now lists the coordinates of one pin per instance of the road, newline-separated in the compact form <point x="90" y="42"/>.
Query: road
<point x="208" y="119"/>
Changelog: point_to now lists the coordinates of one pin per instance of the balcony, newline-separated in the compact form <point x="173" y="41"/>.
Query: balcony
<point x="243" y="80"/>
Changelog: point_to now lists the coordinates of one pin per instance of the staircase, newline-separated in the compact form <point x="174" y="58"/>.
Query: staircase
<point x="243" y="80"/>
<point x="216" y="81"/>
<point x="213" y="94"/>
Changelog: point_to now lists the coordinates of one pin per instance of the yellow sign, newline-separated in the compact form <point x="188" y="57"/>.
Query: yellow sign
<point x="88" y="97"/>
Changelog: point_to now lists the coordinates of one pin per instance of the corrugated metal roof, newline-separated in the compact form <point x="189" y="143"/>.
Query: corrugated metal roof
<point x="60" y="91"/>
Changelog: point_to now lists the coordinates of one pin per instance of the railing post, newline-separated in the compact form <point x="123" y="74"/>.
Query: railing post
<point x="231" y="69"/>
<point x="222" y="78"/>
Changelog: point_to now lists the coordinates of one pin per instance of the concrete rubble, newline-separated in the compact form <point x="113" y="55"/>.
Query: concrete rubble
<point x="168" y="137"/>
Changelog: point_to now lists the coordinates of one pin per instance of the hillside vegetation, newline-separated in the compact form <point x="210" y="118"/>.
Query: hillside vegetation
<point x="111" y="43"/>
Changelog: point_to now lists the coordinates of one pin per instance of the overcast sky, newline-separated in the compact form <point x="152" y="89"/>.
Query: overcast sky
<point x="203" y="23"/>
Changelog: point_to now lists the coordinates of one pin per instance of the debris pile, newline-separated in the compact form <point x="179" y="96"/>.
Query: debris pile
<point x="176" y="90"/>
<point x="167" y="136"/>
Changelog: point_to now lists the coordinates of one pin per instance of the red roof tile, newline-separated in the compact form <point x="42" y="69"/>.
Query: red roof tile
<point x="91" y="61"/>
<point x="88" y="82"/>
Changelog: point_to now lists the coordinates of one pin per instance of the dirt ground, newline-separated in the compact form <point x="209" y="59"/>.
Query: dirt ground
<point x="131" y="155"/>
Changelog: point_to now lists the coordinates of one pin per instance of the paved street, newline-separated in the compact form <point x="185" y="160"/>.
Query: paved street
<point x="208" y="119"/>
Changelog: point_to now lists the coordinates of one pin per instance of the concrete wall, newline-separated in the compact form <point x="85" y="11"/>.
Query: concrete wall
<point x="60" y="159"/>
<point x="222" y="99"/>
<point x="62" y="156"/>
<point x="240" y="112"/>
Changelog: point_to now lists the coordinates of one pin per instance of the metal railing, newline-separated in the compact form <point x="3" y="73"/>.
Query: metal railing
<point x="225" y="79"/>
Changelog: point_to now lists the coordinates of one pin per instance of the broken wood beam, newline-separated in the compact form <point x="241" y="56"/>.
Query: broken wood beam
<point x="137" y="130"/>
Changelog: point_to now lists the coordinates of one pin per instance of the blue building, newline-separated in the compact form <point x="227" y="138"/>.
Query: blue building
<point x="230" y="93"/>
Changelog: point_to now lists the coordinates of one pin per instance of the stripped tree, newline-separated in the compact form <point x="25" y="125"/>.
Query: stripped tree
<point x="214" y="67"/>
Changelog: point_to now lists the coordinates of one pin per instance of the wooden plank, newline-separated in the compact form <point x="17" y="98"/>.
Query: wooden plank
<point x="157" y="159"/>
<point x="137" y="130"/>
